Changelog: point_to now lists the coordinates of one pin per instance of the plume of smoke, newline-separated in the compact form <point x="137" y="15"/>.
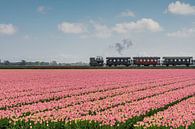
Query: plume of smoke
<point x="123" y="45"/>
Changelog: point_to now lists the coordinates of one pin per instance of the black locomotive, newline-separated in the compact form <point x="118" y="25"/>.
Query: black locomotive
<point x="142" y="61"/>
<point x="96" y="61"/>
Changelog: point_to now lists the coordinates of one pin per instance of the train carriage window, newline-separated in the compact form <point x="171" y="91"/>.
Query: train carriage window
<point x="144" y="60"/>
<point x="148" y="60"/>
<point x="140" y="60"/>
<point x="175" y="60"/>
<point x="121" y="60"/>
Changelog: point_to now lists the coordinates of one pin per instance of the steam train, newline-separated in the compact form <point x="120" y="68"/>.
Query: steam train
<point x="142" y="61"/>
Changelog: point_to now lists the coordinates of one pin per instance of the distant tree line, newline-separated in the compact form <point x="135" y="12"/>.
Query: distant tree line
<point x="39" y="63"/>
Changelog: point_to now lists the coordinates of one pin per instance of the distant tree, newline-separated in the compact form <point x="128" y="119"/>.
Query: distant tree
<point x="37" y="63"/>
<point x="6" y="62"/>
<point x="23" y="62"/>
<point x="53" y="63"/>
<point x="44" y="63"/>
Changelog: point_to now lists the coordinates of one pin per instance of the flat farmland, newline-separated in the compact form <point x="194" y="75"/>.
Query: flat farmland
<point x="97" y="99"/>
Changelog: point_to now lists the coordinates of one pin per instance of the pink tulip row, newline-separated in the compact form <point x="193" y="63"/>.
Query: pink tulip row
<point x="182" y="114"/>
<point x="93" y="90"/>
<point x="106" y="96"/>
<point x="39" y="91"/>
<point x="37" y="80"/>
<point x="98" y="95"/>
<point x="102" y="97"/>
<point x="128" y="110"/>
<point x="36" y="98"/>
<point x="32" y="99"/>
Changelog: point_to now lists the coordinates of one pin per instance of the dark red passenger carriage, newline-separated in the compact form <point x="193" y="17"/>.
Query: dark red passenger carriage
<point x="146" y="61"/>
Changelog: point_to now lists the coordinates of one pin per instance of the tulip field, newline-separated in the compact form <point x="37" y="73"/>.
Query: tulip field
<point x="97" y="99"/>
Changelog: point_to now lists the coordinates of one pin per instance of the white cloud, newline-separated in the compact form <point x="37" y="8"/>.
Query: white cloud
<point x="102" y="31"/>
<point x="181" y="8"/>
<point x="74" y="28"/>
<point x="99" y="30"/>
<point x="183" y="33"/>
<point x="140" y="25"/>
<point x="7" y="29"/>
<point x="127" y="13"/>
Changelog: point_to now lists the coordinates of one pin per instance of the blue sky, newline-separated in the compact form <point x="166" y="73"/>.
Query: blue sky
<point x="74" y="30"/>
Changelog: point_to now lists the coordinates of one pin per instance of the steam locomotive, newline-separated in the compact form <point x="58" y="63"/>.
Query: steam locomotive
<point x="142" y="61"/>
